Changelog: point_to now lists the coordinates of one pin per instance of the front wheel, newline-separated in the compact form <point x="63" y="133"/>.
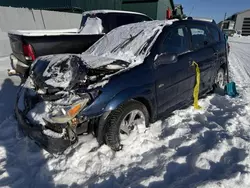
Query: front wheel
<point x="126" y="121"/>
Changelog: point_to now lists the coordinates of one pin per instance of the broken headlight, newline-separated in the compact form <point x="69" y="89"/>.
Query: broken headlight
<point x="65" y="114"/>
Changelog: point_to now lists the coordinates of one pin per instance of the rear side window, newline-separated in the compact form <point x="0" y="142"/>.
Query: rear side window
<point x="215" y="34"/>
<point x="176" y="41"/>
<point x="200" y="37"/>
<point x="141" y="18"/>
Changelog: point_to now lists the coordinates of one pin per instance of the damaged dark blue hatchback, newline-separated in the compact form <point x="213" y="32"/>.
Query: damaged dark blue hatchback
<point x="130" y="77"/>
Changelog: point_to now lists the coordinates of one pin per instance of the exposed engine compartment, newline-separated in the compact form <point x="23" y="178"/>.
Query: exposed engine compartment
<point x="68" y="72"/>
<point x="59" y="88"/>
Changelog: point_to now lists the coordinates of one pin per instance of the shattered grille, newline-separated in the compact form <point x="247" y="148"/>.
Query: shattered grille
<point x="54" y="127"/>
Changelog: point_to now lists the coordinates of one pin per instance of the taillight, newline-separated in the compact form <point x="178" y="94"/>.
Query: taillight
<point x="28" y="52"/>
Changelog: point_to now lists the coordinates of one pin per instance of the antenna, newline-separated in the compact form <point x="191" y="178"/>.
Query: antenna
<point x="191" y="11"/>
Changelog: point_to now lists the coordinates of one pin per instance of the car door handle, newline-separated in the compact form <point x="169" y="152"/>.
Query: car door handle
<point x="190" y="62"/>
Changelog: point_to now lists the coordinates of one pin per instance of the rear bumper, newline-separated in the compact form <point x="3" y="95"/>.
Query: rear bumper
<point x="18" y="66"/>
<point x="50" y="144"/>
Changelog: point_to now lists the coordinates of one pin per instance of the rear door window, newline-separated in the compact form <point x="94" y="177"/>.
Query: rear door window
<point x="214" y="34"/>
<point x="200" y="36"/>
<point x="176" y="41"/>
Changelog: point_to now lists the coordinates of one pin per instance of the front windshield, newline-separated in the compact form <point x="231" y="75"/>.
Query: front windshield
<point x="127" y="40"/>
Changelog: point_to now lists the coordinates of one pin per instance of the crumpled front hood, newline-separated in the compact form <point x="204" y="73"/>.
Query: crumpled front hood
<point x="65" y="70"/>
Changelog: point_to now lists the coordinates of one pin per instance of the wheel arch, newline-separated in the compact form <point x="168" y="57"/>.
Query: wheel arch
<point x="147" y="104"/>
<point x="145" y="96"/>
<point x="140" y="95"/>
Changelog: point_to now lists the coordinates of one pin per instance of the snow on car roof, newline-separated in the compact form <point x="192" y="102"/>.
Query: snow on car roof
<point x="111" y="11"/>
<point x="125" y="42"/>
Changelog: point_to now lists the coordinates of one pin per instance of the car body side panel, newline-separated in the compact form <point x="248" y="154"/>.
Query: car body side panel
<point x="205" y="59"/>
<point x="175" y="81"/>
<point x="134" y="83"/>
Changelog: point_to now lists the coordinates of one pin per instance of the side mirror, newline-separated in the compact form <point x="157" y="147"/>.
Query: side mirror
<point x="166" y="58"/>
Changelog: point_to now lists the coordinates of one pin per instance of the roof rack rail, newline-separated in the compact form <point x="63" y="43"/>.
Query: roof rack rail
<point x="201" y="19"/>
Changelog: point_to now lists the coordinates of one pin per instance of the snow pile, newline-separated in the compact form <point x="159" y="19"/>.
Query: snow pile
<point x="192" y="148"/>
<point x="92" y="26"/>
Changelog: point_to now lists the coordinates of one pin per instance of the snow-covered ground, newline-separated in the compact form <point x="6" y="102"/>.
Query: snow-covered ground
<point x="192" y="148"/>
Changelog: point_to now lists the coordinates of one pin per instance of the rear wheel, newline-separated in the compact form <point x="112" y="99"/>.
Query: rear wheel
<point x="127" y="120"/>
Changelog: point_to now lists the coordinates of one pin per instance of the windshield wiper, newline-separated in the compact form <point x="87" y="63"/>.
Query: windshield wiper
<point x="146" y="44"/>
<point x="125" y="42"/>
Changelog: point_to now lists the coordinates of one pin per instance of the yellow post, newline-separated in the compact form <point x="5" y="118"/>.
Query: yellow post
<point x="197" y="86"/>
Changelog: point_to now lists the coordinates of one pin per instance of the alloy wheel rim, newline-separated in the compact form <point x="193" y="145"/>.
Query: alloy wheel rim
<point x="220" y="80"/>
<point x="130" y="123"/>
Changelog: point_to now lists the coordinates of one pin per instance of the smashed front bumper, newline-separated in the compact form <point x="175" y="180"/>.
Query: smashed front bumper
<point x="52" y="137"/>
<point x="50" y="144"/>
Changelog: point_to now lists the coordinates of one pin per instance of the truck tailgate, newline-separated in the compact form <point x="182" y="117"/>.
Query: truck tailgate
<point x="17" y="46"/>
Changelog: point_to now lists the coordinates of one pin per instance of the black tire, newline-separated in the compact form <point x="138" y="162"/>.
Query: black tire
<point x="112" y="126"/>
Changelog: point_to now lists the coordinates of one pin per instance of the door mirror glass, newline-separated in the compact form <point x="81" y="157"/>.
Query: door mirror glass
<point x="166" y="58"/>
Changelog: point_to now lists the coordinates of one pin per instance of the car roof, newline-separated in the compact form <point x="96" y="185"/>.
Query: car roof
<point x="201" y="19"/>
<point x="105" y="11"/>
<point x="153" y="23"/>
<point x="163" y="23"/>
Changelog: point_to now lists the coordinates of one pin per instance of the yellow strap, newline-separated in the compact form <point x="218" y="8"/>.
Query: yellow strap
<point x="197" y="86"/>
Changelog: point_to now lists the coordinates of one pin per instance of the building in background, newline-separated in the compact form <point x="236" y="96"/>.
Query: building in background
<point x="77" y="6"/>
<point x="239" y="22"/>
<point x="178" y="11"/>
<point x="156" y="9"/>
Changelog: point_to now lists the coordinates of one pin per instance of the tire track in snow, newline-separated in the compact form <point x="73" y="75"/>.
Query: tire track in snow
<point x="239" y="68"/>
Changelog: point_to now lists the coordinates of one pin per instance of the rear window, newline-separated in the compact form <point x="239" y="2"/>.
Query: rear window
<point x="124" y="19"/>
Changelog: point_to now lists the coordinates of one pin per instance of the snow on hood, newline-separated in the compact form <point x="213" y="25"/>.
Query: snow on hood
<point x="65" y="70"/>
<point x="58" y="71"/>
<point x="94" y="62"/>
<point x="126" y="41"/>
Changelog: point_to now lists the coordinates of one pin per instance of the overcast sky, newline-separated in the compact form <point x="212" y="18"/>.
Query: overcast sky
<point x="213" y="8"/>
